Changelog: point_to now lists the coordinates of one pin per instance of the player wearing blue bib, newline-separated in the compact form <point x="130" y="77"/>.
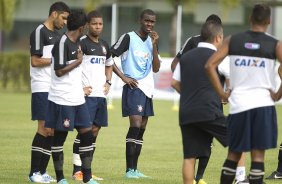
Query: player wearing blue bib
<point x="139" y="59"/>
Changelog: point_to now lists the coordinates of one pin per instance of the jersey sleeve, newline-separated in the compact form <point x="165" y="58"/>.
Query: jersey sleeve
<point x="224" y="68"/>
<point x="59" y="53"/>
<point x="185" y="47"/>
<point x="37" y="41"/>
<point x="120" y="46"/>
<point x="109" y="59"/>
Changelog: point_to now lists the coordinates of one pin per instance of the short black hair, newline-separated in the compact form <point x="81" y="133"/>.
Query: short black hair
<point x="93" y="14"/>
<point x="76" y="19"/>
<point x="260" y="14"/>
<point x="147" y="12"/>
<point x="215" y="18"/>
<point x="59" y="7"/>
<point x="210" y="30"/>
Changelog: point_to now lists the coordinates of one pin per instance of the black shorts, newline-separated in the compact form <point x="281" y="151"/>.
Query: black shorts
<point x="39" y="103"/>
<point x="253" y="129"/>
<point x="135" y="102"/>
<point x="197" y="137"/>
<point x="97" y="107"/>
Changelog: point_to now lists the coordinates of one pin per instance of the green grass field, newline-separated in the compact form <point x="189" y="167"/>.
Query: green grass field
<point x="161" y="155"/>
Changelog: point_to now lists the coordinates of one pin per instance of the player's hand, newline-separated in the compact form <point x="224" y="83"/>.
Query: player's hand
<point x="79" y="54"/>
<point x="225" y="96"/>
<point x="155" y="37"/>
<point x="131" y="82"/>
<point x="87" y="90"/>
<point x="106" y="88"/>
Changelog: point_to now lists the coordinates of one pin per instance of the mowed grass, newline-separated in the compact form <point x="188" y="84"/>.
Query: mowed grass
<point x="161" y="156"/>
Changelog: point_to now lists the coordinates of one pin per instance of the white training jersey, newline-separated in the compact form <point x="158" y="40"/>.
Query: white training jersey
<point x="97" y="57"/>
<point x="41" y="43"/>
<point x="252" y="70"/>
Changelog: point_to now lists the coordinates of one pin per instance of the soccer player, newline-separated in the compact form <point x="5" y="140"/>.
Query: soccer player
<point x="97" y="73"/>
<point x="200" y="114"/>
<point x="189" y="44"/>
<point x="192" y="43"/>
<point x="42" y="40"/>
<point x="278" y="173"/>
<point x="139" y="59"/>
<point x="252" y="118"/>
<point x="66" y="103"/>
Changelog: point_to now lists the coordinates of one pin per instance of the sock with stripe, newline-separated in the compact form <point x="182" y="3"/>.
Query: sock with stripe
<point x="58" y="154"/>
<point x="279" y="167"/>
<point x="228" y="172"/>
<point x="46" y="154"/>
<point x="76" y="157"/>
<point x="131" y="146"/>
<point x="139" y="143"/>
<point x="86" y="154"/>
<point x="36" y="153"/>
<point x="256" y="173"/>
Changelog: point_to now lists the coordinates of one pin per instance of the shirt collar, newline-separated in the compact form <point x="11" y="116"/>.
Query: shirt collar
<point x="207" y="45"/>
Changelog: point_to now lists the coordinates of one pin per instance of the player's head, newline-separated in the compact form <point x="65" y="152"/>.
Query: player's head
<point x="76" y="21"/>
<point x="95" y="23"/>
<point x="215" y="18"/>
<point x="260" y="14"/>
<point x="59" y="12"/>
<point x="147" y="20"/>
<point x="212" y="32"/>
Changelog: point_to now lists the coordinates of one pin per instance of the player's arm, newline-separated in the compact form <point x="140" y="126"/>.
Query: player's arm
<point x="277" y="96"/>
<point x="156" y="60"/>
<point x="37" y="61"/>
<point x="67" y="68"/>
<point x="212" y="65"/>
<point x="175" y="83"/>
<point x="36" y="51"/>
<point x="108" y="71"/>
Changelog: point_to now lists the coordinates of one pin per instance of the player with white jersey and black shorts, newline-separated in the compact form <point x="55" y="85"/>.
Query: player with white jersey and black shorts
<point x="66" y="103"/>
<point x="139" y="59"/>
<point x="252" y="121"/>
<point x="96" y="80"/>
<point x="42" y="40"/>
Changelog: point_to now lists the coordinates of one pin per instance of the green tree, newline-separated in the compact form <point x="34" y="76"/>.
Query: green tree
<point x="7" y="8"/>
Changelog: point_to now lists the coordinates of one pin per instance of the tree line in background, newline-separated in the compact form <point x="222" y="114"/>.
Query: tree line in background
<point x="14" y="71"/>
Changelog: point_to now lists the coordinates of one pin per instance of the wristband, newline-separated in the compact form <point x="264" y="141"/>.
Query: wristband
<point x="108" y="82"/>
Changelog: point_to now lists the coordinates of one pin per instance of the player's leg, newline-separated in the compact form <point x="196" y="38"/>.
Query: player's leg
<point x="228" y="171"/>
<point x="264" y="136"/>
<point x="241" y="171"/>
<point x="99" y="117"/>
<point x="76" y="173"/>
<point x="202" y="165"/>
<point x="139" y="144"/>
<point x="41" y="144"/>
<point x="83" y="125"/>
<point x="131" y="137"/>
<point x="188" y="170"/>
<point x="278" y="173"/>
<point x="196" y="144"/>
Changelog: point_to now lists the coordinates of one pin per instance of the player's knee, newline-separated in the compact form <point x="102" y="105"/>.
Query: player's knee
<point x="95" y="130"/>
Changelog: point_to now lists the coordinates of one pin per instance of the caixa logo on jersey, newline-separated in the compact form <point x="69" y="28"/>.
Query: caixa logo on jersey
<point x="249" y="62"/>
<point x="98" y="60"/>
